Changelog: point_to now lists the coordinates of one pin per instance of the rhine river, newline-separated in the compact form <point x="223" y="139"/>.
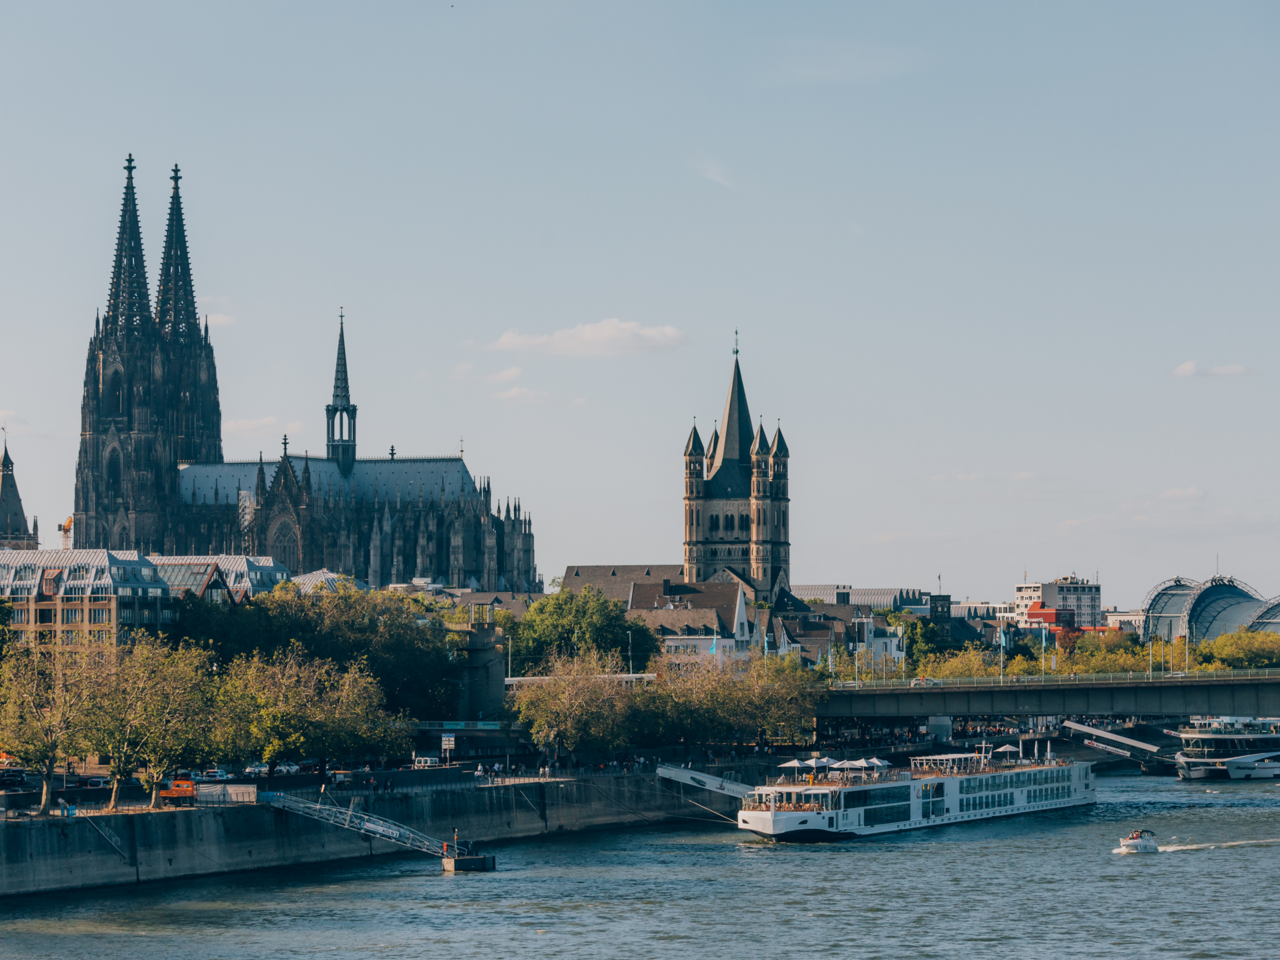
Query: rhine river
<point x="1042" y="886"/>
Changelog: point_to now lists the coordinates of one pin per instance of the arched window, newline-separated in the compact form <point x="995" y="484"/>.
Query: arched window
<point x="114" y="471"/>
<point x="284" y="545"/>
<point x="115" y="395"/>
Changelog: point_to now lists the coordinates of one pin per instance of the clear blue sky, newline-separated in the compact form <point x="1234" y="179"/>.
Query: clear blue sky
<point x="968" y="247"/>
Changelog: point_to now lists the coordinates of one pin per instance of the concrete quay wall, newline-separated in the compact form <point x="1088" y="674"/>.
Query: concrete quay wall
<point x="76" y="852"/>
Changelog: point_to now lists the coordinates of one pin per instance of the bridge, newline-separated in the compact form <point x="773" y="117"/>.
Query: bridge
<point x="1237" y="693"/>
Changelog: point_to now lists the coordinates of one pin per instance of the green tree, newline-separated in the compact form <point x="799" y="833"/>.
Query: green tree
<point x="1242" y="650"/>
<point x="44" y="697"/>
<point x="399" y="638"/>
<point x="295" y="707"/>
<point x="115" y="721"/>
<point x="578" y="703"/>
<point x="565" y="624"/>
<point x="176" y="710"/>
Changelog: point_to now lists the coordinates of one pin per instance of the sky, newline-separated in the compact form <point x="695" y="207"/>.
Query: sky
<point x="1004" y="273"/>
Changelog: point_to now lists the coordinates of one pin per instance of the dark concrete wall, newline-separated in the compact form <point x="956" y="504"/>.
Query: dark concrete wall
<point x="63" y="854"/>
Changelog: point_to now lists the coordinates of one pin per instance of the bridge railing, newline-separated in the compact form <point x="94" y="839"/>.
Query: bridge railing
<point x="1091" y="679"/>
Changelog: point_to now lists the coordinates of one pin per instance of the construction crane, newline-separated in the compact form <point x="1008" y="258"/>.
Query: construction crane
<point x="65" y="530"/>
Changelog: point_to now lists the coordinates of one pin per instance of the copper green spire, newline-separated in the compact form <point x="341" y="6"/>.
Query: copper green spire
<point x="128" y="303"/>
<point x="341" y="389"/>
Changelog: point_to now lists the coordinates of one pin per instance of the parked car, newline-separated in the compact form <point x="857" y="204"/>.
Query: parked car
<point x="925" y="682"/>
<point x="256" y="770"/>
<point x="211" y="775"/>
<point x="179" y="792"/>
<point x="421" y="763"/>
<point x="97" y="782"/>
<point x="287" y="767"/>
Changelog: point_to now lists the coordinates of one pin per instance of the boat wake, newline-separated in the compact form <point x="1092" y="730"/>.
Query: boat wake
<point x="1183" y="847"/>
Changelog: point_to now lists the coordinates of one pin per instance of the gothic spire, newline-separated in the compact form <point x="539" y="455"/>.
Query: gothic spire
<point x="735" y="441"/>
<point x="341" y="389"/>
<point x="175" y="298"/>
<point x="128" y="303"/>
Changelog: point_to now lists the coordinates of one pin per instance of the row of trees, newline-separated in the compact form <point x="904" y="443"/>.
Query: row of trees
<point x="155" y="706"/>
<point x="1109" y="652"/>
<point x="580" y="702"/>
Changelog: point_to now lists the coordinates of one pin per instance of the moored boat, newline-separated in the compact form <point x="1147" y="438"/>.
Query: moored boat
<point x="936" y="791"/>
<point x="1239" y="750"/>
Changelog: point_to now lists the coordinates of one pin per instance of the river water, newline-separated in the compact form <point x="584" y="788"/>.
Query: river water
<point x="1041" y="886"/>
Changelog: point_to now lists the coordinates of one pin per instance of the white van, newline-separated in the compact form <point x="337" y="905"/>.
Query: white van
<point x="422" y="763"/>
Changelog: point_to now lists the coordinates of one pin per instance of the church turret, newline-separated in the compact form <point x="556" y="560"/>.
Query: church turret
<point x="341" y="413"/>
<point x="14" y="534"/>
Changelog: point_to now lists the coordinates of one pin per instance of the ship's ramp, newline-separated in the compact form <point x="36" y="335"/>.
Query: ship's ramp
<point x="705" y="781"/>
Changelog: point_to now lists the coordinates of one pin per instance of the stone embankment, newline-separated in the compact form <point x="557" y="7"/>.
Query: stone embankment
<point x="39" y="855"/>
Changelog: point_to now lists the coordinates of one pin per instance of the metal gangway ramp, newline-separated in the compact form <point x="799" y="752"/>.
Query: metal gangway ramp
<point x="364" y="823"/>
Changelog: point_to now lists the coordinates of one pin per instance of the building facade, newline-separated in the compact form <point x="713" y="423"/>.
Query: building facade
<point x="79" y="598"/>
<point x="151" y="475"/>
<point x="1080" y="596"/>
<point x="736" y="502"/>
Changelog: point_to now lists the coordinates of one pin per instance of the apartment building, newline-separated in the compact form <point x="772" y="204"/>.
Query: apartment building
<point x="1082" y="597"/>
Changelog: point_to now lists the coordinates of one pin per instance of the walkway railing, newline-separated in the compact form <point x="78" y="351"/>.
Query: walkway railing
<point x="1091" y="679"/>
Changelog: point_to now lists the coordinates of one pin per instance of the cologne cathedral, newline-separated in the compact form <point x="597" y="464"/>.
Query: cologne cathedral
<point x="151" y="477"/>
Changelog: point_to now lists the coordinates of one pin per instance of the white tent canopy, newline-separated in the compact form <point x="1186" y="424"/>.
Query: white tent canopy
<point x="1008" y="748"/>
<point x="791" y="763"/>
<point x="877" y="762"/>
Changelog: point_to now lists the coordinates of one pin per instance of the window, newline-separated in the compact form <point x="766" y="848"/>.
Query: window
<point x="728" y="523"/>
<point x="72" y="615"/>
<point x="284" y="544"/>
<point x="100" y="615"/>
<point x="894" y="814"/>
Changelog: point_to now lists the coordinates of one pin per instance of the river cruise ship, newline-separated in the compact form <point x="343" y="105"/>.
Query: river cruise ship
<point x="1214" y="750"/>
<point x="936" y="791"/>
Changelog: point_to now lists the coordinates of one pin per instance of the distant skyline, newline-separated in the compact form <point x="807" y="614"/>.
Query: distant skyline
<point x="1005" y="273"/>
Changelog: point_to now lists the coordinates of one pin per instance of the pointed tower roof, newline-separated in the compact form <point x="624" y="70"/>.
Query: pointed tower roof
<point x="13" y="521"/>
<point x="694" y="447"/>
<point x="736" y="442"/>
<point x="341" y="389"/>
<point x="713" y="445"/>
<point x="175" y="296"/>
<point x="760" y="445"/>
<point x="128" y="303"/>
<point x="779" y="448"/>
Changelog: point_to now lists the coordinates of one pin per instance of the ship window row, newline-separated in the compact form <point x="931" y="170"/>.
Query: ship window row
<point x="875" y="816"/>
<point x="987" y="801"/>
<point x="1005" y="781"/>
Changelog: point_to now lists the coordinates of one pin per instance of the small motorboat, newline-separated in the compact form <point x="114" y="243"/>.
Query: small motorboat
<point x="1140" y="841"/>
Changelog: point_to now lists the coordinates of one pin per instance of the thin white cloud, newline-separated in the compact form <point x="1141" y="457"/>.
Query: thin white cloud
<point x="968" y="476"/>
<point x="220" y="319"/>
<point x="250" y="428"/>
<point x="714" y="172"/>
<point x="520" y="395"/>
<point x="294" y="426"/>
<point x="579" y="402"/>
<point x="1189" y="493"/>
<point x="1025" y="475"/>
<point x="460" y="370"/>
<point x="502" y="376"/>
<point x="1192" y="369"/>
<point x="10" y="418"/>
<point x="608" y="338"/>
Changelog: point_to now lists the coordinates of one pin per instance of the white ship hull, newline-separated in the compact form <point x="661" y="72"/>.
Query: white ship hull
<point x="845" y="813"/>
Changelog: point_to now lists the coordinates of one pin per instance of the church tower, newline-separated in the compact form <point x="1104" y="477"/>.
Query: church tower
<point x="150" y="394"/>
<point x="341" y="414"/>
<point x="736" y="519"/>
<point x="14" y="534"/>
